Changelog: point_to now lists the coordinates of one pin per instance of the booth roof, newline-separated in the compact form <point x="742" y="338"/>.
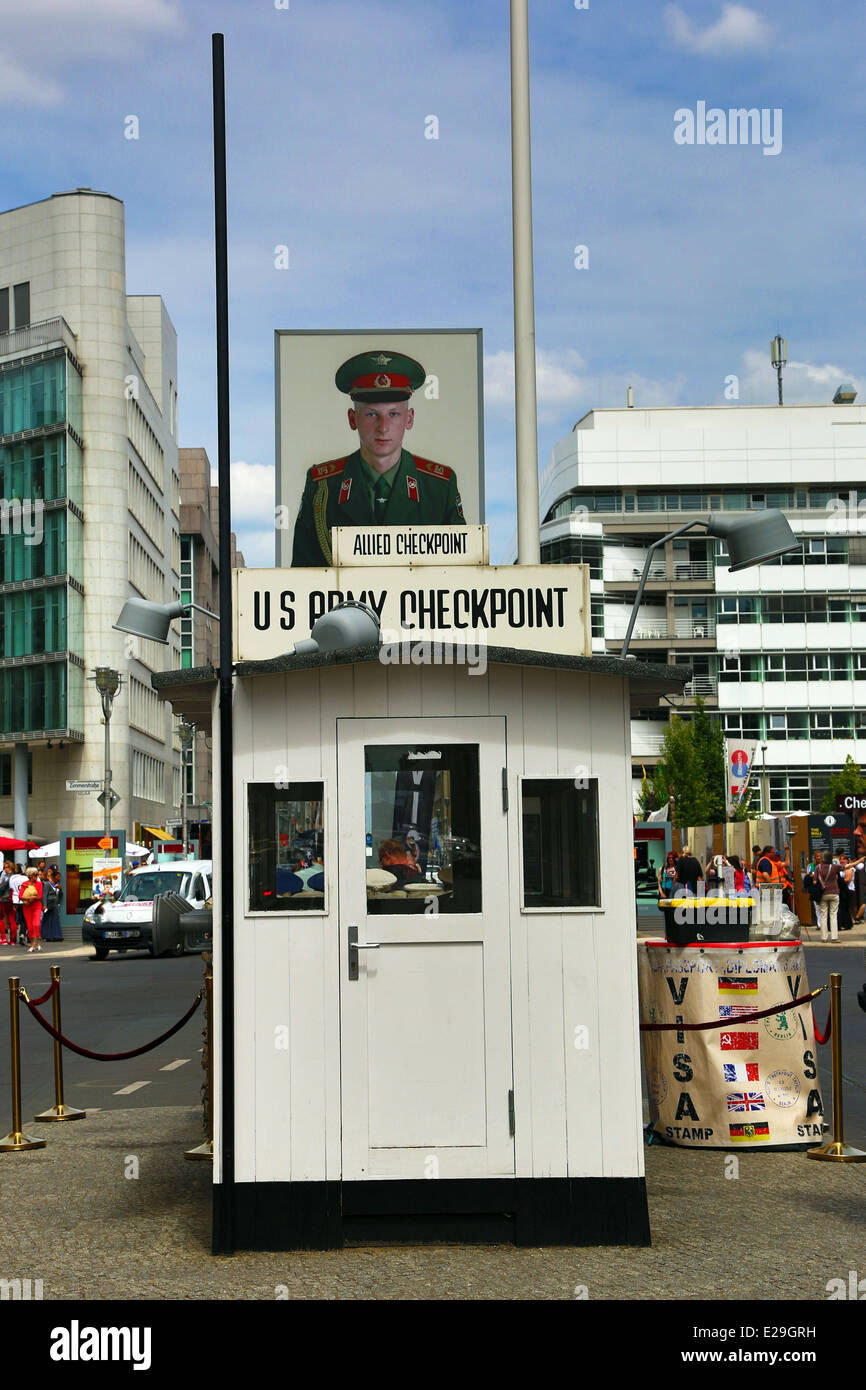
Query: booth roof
<point x="190" y="692"/>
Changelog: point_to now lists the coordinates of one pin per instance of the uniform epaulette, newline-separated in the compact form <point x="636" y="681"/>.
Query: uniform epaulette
<point x="327" y="470"/>
<point x="436" y="470"/>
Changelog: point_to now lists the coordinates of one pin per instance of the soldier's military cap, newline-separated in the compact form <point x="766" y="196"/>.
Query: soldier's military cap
<point x="380" y="376"/>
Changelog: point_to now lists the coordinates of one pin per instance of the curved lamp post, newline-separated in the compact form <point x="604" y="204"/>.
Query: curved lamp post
<point x="751" y="540"/>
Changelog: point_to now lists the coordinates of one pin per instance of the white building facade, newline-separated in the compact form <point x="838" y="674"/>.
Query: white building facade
<point x="777" y="650"/>
<point x="88" y="430"/>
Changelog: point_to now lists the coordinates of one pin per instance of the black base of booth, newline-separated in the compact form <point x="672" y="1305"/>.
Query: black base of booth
<point x="519" y="1211"/>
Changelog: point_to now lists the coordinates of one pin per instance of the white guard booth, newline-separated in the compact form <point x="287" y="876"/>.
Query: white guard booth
<point x="433" y="1027"/>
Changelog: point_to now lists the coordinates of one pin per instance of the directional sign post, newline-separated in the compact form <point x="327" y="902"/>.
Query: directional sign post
<point x="113" y="795"/>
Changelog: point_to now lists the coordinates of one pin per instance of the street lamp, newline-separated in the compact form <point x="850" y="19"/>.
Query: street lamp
<point x="751" y="540"/>
<point x="152" y="621"/>
<point x="108" y="682"/>
<point x="186" y="735"/>
<point x="765" y="801"/>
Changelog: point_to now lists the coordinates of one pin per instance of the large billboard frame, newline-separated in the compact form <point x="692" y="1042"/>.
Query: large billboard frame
<point x="288" y="498"/>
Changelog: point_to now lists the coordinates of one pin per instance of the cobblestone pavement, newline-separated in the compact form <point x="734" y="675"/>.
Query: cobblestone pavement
<point x="780" y="1230"/>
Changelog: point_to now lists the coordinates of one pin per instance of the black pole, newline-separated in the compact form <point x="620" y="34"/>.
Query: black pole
<point x="223" y="1192"/>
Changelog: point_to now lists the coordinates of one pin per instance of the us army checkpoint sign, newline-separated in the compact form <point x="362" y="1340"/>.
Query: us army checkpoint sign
<point x="532" y="608"/>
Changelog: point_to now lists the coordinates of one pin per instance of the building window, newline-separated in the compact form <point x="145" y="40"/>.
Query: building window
<point x="5" y="770"/>
<point x="596" y="605"/>
<point x="560" y="836"/>
<point x="21" y="299"/>
<point x="286" y="847"/>
<point x="574" y="550"/>
<point x="4" y="311"/>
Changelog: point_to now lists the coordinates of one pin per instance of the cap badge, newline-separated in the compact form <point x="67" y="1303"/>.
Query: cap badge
<point x="380" y="360"/>
<point x="383" y="380"/>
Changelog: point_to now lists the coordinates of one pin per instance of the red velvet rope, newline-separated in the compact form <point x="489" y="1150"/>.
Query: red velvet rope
<point x="110" y="1056"/>
<point x="52" y="989"/>
<point x="819" y="1037"/>
<point x="729" y="1022"/>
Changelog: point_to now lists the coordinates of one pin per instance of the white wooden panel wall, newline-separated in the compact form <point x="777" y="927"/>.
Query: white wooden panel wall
<point x="577" y="1111"/>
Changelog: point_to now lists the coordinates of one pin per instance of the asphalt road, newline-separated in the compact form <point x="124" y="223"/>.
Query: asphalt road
<point x="108" y="1006"/>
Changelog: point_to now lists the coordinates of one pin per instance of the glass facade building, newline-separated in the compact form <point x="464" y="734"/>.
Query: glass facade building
<point x="41" y="521"/>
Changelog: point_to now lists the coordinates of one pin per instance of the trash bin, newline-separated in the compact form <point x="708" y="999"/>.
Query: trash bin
<point x="707" y="919"/>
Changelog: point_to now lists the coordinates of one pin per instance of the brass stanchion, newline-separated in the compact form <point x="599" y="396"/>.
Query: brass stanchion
<point x="205" y="1150"/>
<point x="59" y="1111"/>
<point x="837" y="1149"/>
<point x="17" y="1140"/>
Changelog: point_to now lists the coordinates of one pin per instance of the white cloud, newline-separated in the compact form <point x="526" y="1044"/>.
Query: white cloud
<point x="252" y="492"/>
<point x="557" y="379"/>
<point x="46" y="36"/>
<point x="803" y="383"/>
<point x="18" y="87"/>
<point x="738" y="29"/>
<point x="563" y="386"/>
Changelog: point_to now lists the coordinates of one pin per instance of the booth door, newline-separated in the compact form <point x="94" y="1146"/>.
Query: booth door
<point x="426" y="1071"/>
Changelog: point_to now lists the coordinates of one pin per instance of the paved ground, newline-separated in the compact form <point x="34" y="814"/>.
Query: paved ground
<point x="110" y="1209"/>
<point x="782" y="1229"/>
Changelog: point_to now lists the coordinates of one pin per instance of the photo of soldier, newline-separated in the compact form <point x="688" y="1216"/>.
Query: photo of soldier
<point x="381" y="483"/>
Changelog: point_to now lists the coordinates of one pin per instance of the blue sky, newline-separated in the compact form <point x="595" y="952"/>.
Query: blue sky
<point x="698" y="253"/>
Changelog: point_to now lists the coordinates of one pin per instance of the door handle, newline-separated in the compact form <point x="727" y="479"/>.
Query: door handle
<point x="354" y="947"/>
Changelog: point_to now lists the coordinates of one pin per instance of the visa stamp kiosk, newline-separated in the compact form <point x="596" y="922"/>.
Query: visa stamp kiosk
<point x="435" y="1009"/>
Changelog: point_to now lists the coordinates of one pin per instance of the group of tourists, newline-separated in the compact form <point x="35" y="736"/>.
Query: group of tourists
<point x="835" y="884"/>
<point x="30" y="905"/>
<point x="837" y="887"/>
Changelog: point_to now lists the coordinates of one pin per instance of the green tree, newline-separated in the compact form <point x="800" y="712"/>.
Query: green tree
<point x="847" y="781"/>
<point x="709" y="740"/>
<point x="680" y="774"/>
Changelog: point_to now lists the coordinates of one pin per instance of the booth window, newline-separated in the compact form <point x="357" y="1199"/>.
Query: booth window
<point x="286" y="847"/>
<point x="423" y="829"/>
<point x="560" y="843"/>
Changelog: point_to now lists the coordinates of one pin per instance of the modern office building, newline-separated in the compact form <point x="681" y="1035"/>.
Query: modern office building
<point x="777" y="650"/>
<point x="199" y="635"/>
<point x="90" y="495"/>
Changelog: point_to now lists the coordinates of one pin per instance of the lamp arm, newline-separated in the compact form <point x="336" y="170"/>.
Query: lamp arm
<point x="198" y="608"/>
<point x="643" y="579"/>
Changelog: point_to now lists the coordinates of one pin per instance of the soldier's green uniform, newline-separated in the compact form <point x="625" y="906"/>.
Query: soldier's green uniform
<point x="349" y="492"/>
<point x="338" y="494"/>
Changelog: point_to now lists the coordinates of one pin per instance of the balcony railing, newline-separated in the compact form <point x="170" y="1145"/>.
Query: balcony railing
<point x="37" y="335"/>
<point x="701" y="685"/>
<point x="694" y="627"/>
<point x="632" y="573"/>
<point x="694" y="569"/>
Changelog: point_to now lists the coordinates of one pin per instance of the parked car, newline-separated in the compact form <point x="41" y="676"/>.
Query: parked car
<point x="126" y="923"/>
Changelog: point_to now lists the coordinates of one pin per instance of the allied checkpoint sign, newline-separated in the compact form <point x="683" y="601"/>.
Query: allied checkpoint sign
<point x="542" y="608"/>
<point x="750" y="1084"/>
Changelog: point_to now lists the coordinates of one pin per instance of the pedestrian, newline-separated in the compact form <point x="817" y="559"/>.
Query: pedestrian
<point x="52" y="894"/>
<point x="742" y="881"/>
<point x="826" y="879"/>
<point x="7" y="907"/>
<point x="17" y="882"/>
<point x="689" y="873"/>
<point x="31" y="904"/>
<point x="666" y="875"/>
<point x="846" y="876"/>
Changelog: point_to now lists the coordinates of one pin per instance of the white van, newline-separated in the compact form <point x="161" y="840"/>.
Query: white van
<point x="126" y="924"/>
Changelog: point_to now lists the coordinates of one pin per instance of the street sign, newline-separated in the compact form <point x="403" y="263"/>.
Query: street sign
<point x="114" y="799"/>
<point x="105" y="843"/>
<point x="84" y="786"/>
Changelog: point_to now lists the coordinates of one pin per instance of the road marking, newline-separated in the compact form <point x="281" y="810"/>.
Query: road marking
<point x="128" y="1090"/>
<point x="172" y="1066"/>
